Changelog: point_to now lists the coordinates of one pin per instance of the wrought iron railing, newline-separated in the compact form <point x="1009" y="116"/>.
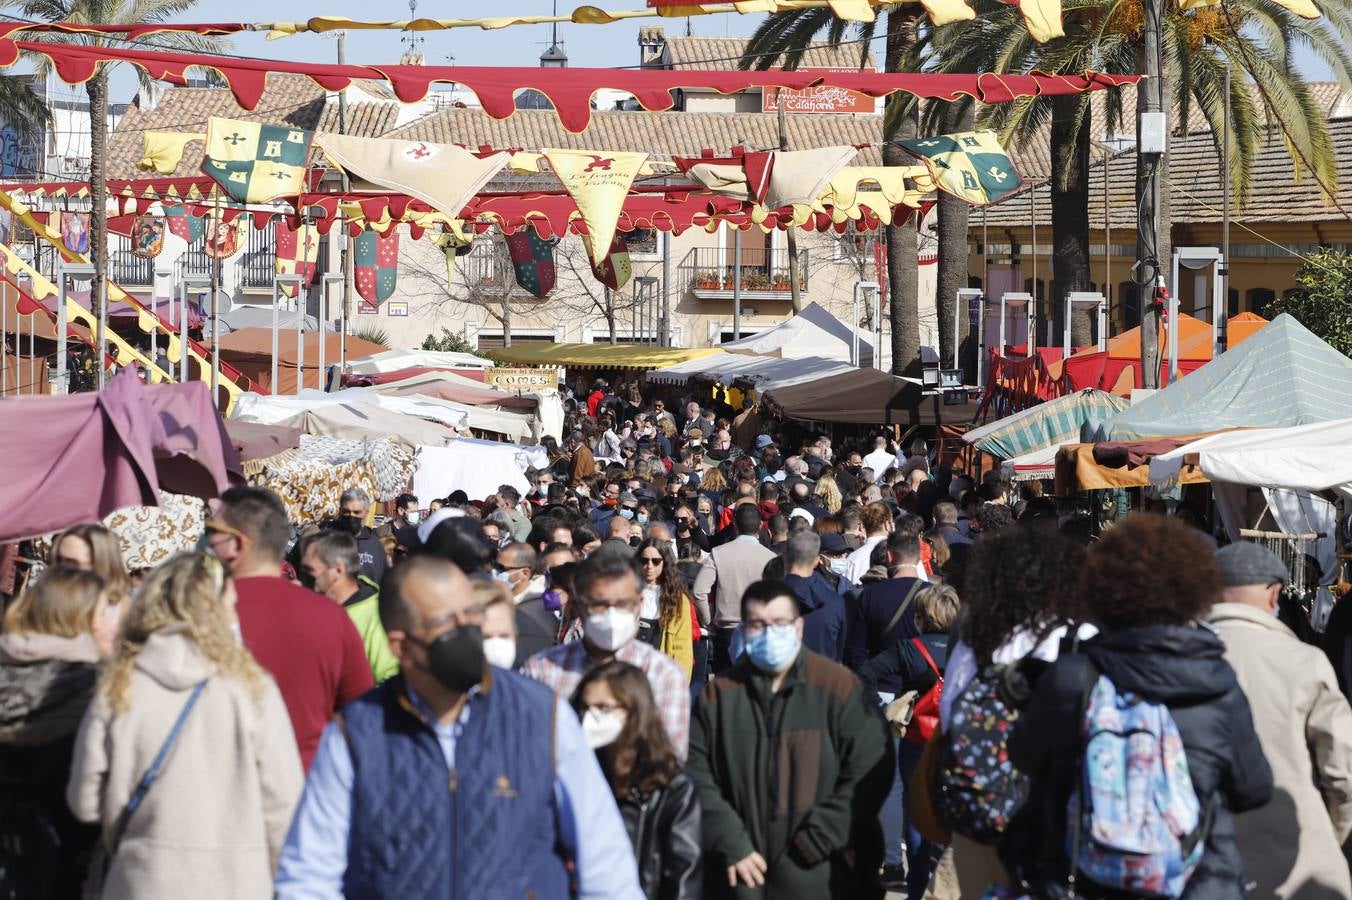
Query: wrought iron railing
<point x="712" y="272"/>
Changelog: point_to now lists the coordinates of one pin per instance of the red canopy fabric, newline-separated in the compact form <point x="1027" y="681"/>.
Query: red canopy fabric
<point x="75" y="458"/>
<point x="569" y="91"/>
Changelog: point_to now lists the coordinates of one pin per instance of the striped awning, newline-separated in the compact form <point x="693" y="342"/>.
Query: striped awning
<point x="1048" y="424"/>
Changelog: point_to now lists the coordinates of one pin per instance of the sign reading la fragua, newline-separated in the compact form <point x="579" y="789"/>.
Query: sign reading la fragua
<point x="819" y="99"/>
<point x="525" y="380"/>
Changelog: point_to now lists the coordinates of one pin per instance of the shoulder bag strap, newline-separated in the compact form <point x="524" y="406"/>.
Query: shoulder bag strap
<point x="924" y="651"/>
<point x="905" y="605"/>
<point x="153" y="772"/>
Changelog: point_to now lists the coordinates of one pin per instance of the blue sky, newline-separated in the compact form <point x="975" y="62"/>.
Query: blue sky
<point x="589" y="45"/>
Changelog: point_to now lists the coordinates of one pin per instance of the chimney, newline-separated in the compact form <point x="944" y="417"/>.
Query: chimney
<point x="652" y="45"/>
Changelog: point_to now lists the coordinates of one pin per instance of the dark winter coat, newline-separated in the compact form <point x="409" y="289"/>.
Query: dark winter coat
<point x="1181" y="667"/>
<point x="664" y="828"/>
<point x="796" y="775"/>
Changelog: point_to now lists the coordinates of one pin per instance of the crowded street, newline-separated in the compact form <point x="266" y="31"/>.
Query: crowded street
<point x="759" y="450"/>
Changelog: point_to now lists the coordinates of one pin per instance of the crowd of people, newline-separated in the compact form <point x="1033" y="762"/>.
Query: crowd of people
<point x="673" y="667"/>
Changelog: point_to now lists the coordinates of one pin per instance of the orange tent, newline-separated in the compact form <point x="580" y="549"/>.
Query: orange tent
<point x="1241" y="327"/>
<point x="1108" y="370"/>
<point x="250" y="351"/>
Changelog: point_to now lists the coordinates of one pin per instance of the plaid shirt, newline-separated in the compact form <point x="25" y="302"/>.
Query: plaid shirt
<point x="562" y="668"/>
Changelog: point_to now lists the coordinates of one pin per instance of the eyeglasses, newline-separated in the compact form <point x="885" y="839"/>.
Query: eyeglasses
<point x="754" y="627"/>
<point x="651" y="560"/>
<point x="596" y="607"/>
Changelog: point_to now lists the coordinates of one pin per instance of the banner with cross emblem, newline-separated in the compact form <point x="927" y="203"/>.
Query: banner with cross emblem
<point x="256" y="163"/>
<point x="970" y="164"/>
<point x="376" y="264"/>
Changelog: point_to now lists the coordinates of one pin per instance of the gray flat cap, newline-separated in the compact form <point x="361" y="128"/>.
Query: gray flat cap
<point x="1246" y="563"/>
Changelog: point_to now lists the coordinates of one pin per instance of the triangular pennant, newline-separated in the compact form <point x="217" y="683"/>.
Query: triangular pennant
<point x="532" y="261"/>
<point x="444" y="176"/>
<point x="256" y="163"/>
<point x="614" y="270"/>
<point x="297" y="252"/>
<point x="376" y="264"/>
<point x="598" y="184"/>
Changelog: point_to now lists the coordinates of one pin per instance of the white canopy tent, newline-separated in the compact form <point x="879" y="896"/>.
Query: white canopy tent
<point x="1303" y="457"/>
<point x="476" y="467"/>
<point x="1034" y="466"/>
<point x="394" y="360"/>
<point x="274" y="410"/>
<point x="766" y="372"/>
<point x="814" y="332"/>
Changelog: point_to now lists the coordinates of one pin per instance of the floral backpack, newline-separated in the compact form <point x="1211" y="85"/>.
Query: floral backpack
<point x="979" y="788"/>
<point x="1137" y="825"/>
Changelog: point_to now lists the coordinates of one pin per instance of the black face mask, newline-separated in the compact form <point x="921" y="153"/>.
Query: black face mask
<point x="350" y="524"/>
<point x="456" y="658"/>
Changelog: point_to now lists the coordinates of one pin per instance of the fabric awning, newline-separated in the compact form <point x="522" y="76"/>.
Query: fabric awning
<point x="766" y="373"/>
<point x="78" y="457"/>
<point x="1078" y="469"/>
<point x="393" y="360"/>
<point x="1046" y="425"/>
<point x="1034" y="466"/>
<point x="864" y="397"/>
<point x="250" y="351"/>
<point x="597" y="356"/>
<point x="1304" y="457"/>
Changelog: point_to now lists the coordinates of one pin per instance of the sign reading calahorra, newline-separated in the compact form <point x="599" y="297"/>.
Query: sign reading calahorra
<point x="524" y="380"/>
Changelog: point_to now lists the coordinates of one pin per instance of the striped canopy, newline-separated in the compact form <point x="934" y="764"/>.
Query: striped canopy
<point x="1048" y="424"/>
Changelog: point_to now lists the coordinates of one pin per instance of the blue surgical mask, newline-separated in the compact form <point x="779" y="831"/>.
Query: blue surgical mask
<point x="503" y="577"/>
<point x="626" y="513"/>
<point x="643" y="518"/>
<point x="774" y="647"/>
<point x="839" y="565"/>
<point x="737" y="646"/>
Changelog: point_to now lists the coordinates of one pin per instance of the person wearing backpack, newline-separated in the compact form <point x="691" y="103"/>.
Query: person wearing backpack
<point x="1154" y="684"/>
<point x="1012" y="624"/>
<point x="919" y="664"/>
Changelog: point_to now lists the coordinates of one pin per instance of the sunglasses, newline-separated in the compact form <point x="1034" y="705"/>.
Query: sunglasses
<point x="652" y="560"/>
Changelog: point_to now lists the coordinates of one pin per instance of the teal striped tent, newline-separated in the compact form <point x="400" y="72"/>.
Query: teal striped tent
<point x="1058" y="421"/>
<point x="1282" y="376"/>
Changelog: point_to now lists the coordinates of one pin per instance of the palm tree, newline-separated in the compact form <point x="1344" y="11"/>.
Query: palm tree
<point x="786" y="37"/>
<point x="1253" y="38"/>
<point x="105" y="12"/>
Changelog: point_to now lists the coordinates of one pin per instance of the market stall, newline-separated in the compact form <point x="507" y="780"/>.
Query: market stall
<point x="864" y="397"/>
<point x="1284" y="375"/>
<point x="250" y="351"/>
<point x="1048" y="424"/>
<point x="393" y="360"/>
<point x="813" y="333"/>
<point x="596" y="356"/>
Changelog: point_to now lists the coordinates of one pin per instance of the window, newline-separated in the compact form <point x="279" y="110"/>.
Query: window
<point x="645" y="244"/>
<point x="1256" y="299"/>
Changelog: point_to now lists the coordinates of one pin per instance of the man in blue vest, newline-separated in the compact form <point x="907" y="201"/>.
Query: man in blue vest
<point x="454" y="779"/>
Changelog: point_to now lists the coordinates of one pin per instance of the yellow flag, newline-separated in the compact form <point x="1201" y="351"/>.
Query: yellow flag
<point x="164" y="150"/>
<point x="598" y="183"/>
<point x="256" y="163"/>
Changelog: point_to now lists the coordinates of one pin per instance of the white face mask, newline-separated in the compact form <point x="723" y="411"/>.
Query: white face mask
<point x="413" y="516"/>
<point x="500" y="652"/>
<point x="602" y="727"/>
<point x="839" y="565"/>
<point x="611" y="629"/>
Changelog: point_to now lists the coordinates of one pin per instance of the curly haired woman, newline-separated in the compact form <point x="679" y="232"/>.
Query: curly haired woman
<point x="212" y="824"/>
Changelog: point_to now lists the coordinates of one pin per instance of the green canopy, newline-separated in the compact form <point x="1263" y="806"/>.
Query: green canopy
<point x="1281" y="376"/>
<point x="1048" y="424"/>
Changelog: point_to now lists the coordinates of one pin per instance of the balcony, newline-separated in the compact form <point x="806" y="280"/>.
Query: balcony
<point x="257" y="265"/>
<point x="129" y="269"/>
<point x="711" y="275"/>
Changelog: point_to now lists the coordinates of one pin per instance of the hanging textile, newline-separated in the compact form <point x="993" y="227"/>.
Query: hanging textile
<point x="598" y="183"/>
<point x="615" y="269"/>
<point x="970" y="165"/>
<point x="256" y="163"/>
<point x="532" y="261"/>
<point x="163" y="150"/>
<point x="189" y="228"/>
<point x="443" y="176"/>
<point x="75" y="231"/>
<point x="297" y="253"/>
<point x="224" y="239"/>
<point x="147" y="236"/>
<point x="376" y="259"/>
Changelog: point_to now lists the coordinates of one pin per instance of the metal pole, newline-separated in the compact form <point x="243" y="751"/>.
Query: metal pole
<point x="103" y="308"/>
<point x="4" y="339"/>
<point x="878" y="328"/>
<point x="1107" y="240"/>
<point x="1032" y="215"/>
<point x="300" y="343"/>
<point x="276" y="302"/>
<point x="1149" y="158"/>
<point x="61" y="373"/>
<point x="33" y="352"/>
<point x="183" y="334"/>
<point x="1224" y="307"/>
<point x="736" y="284"/>
<point x="323" y="336"/>
<point x="666" y="289"/>
<point x="348" y="261"/>
<point x="216" y="315"/>
<point x="854" y="328"/>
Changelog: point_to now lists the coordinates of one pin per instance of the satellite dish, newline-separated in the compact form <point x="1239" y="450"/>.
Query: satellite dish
<point x="223" y="303"/>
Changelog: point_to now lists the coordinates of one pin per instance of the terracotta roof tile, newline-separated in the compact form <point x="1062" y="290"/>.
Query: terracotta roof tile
<point x="1195" y="189"/>
<point x="661" y="134"/>
<point x="723" y="53"/>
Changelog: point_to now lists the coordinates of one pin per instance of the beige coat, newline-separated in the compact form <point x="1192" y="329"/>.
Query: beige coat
<point x="1291" y="847"/>
<point x="213" y="823"/>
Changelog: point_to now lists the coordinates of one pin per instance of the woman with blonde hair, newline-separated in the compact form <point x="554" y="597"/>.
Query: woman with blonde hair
<point x="49" y="660"/>
<point x="828" y="492"/>
<point x="94" y="548"/>
<point x="186" y="757"/>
